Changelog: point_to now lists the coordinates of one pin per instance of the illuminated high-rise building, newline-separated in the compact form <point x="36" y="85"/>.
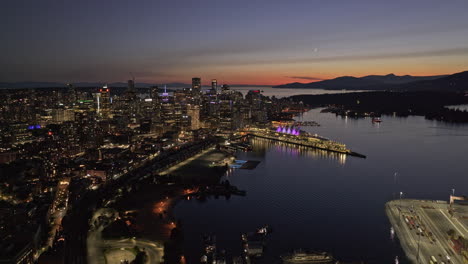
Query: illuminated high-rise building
<point x="193" y="111"/>
<point x="104" y="104"/>
<point x="156" y="103"/>
<point x="196" y="84"/>
<point x="62" y="115"/>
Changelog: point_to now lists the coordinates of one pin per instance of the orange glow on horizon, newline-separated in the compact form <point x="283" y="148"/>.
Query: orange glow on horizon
<point x="275" y="80"/>
<point x="276" y="74"/>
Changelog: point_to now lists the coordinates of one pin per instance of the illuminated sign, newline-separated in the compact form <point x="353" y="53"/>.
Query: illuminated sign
<point x="32" y="127"/>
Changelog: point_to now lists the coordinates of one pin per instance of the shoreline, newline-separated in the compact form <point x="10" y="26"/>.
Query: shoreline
<point x="408" y="251"/>
<point x="155" y="220"/>
<point x="423" y="226"/>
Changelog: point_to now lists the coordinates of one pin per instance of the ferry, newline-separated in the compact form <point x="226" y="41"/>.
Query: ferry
<point x="301" y="257"/>
<point x="376" y="120"/>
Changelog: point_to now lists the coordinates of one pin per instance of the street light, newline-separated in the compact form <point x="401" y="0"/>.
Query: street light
<point x="399" y="208"/>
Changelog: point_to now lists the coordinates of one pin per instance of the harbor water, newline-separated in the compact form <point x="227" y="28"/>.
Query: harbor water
<point x="332" y="202"/>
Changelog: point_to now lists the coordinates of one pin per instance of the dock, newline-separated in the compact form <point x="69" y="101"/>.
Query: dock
<point x="309" y="141"/>
<point x="427" y="230"/>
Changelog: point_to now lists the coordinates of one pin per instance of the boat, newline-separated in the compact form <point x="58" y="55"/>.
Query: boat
<point x="302" y="257"/>
<point x="376" y="120"/>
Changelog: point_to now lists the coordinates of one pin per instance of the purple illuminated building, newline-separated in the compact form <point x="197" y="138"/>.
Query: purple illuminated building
<point x="288" y="130"/>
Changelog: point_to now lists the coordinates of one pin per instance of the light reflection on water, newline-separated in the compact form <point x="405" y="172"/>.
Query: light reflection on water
<point x="295" y="151"/>
<point x="319" y="200"/>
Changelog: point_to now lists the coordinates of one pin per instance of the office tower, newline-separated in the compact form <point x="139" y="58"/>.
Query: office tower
<point x="156" y="103"/>
<point x="193" y="111"/>
<point x="131" y="85"/>
<point x="104" y="103"/>
<point x="71" y="94"/>
<point x="154" y="92"/>
<point x="196" y="84"/>
<point x="130" y="93"/>
<point x="62" y="115"/>
<point x="214" y="85"/>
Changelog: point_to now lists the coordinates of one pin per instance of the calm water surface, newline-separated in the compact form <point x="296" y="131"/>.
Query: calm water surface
<point x="329" y="202"/>
<point x="280" y="92"/>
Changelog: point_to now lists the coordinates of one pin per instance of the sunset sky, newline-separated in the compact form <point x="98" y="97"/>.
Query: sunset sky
<point x="250" y="42"/>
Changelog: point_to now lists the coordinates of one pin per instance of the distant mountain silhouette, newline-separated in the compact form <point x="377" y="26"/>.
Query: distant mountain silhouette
<point x="454" y="82"/>
<point x="394" y="79"/>
<point x="370" y="82"/>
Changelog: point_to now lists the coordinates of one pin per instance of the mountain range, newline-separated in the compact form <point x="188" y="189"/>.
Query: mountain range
<point x="458" y="81"/>
<point x="390" y="82"/>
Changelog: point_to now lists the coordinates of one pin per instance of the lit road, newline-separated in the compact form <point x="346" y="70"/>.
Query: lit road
<point x="185" y="162"/>
<point x="58" y="209"/>
<point x="411" y="217"/>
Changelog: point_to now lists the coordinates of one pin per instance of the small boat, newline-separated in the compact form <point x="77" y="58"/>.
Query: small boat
<point x="376" y="120"/>
<point x="265" y="230"/>
<point x="302" y="257"/>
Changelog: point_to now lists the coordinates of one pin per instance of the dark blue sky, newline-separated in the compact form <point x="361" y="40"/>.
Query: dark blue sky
<point x="234" y="41"/>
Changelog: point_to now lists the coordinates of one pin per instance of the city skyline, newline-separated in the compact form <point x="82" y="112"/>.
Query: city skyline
<point x="180" y="132"/>
<point x="261" y="43"/>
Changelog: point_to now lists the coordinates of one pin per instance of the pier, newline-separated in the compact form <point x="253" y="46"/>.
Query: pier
<point x="304" y="140"/>
<point x="430" y="231"/>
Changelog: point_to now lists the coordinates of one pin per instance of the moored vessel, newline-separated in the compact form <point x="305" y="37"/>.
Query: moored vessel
<point x="302" y="257"/>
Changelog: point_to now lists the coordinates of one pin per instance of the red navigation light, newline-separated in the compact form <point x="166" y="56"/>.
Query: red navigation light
<point x="50" y="133"/>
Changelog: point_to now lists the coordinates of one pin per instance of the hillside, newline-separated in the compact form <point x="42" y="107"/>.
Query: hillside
<point x="370" y="82"/>
<point x="455" y="83"/>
